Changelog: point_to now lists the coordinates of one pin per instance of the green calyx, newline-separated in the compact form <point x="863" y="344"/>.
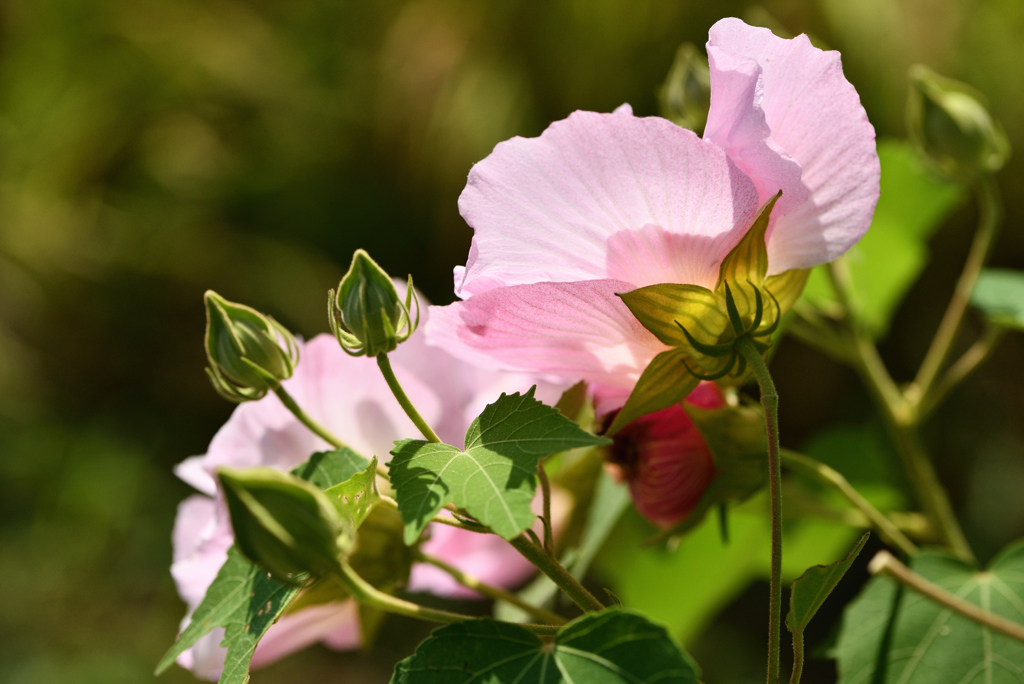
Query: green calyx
<point x="249" y="353"/>
<point x="366" y="314"/>
<point x="950" y="124"/>
<point x="704" y="325"/>
<point x="284" y="524"/>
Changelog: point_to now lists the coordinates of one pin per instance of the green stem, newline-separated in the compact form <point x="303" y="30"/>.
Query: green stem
<point x="545" y="489"/>
<point x="821" y="472"/>
<point x="366" y="594"/>
<point x="901" y="418"/>
<point x="389" y="375"/>
<point x="770" y="404"/>
<point x="884" y="564"/>
<point x="964" y="366"/>
<point x="440" y="519"/>
<point x="558" y="574"/>
<point x="798" y="657"/>
<point x="318" y="429"/>
<point x="990" y="210"/>
<point x="493" y="592"/>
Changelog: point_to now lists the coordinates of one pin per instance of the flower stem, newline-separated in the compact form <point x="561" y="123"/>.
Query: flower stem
<point x="545" y="488"/>
<point x="964" y="366"/>
<point x="389" y="375"/>
<point x="493" y="592"/>
<point x="558" y="574"/>
<point x="798" y="657"/>
<point x="821" y="472"/>
<point x="885" y="564"/>
<point x="990" y="209"/>
<point x="770" y="404"/>
<point x="367" y="594"/>
<point x="317" y="429"/>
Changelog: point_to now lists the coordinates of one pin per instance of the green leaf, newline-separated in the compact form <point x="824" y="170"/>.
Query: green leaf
<point x="494" y="477"/>
<point x="356" y="496"/>
<point x="811" y="589"/>
<point x="246" y="602"/>
<point x="887" y="261"/>
<point x="328" y="468"/>
<point x="896" y="635"/>
<point x="999" y="293"/>
<point x="664" y="382"/>
<point x="610" y="647"/>
<point x="663" y="308"/>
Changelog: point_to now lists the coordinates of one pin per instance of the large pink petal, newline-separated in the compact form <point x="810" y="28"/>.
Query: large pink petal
<point x="815" y="116"/>
<point x="551" y="208"/>
<point x="575" y="331"/>
<point x="201" y="545"/>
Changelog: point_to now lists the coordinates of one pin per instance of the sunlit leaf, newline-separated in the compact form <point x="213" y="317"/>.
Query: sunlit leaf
<point x="328" y="468"/>
<point x="999" y="293"/>
<point x="810" y="589"/>
<point x="494" y="476"/>
<point x="611" y="647"/>
<point x="667" y="380"/>
<point x="662" y="309"/>
<point x="897" y="635"/>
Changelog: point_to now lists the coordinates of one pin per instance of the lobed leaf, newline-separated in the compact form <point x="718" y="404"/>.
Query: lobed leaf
<point x="610" y="647"/>
<point x="896" y="635"/>
<point x="494" y="476"/>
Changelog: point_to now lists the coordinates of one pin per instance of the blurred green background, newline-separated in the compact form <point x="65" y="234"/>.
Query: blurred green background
<point x="152" y="149"/>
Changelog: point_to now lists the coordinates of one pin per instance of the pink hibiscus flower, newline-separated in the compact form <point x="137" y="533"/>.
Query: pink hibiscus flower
<point x="348" y="396"/>
<point x="607" y="203"/>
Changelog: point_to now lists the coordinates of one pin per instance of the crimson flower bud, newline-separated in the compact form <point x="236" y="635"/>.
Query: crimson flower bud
<point x="665" y="460"/>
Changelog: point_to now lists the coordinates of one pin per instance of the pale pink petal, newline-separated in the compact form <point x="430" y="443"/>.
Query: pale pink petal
<point x="575" y="331"/>
<point x="201" y="544"/>
<point x="736" y="123"/>
<point x="206" y="658"/>
<point x="815" y="116"/>
<point x="337" y="624"/>
<point x="192" y="471"/>
<point x="551" y="208"/>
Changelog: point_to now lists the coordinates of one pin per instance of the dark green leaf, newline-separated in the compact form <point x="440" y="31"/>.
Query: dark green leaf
<point x="328" y="468"/>
<point x="244" y="600"/>
<point x="611" y="647"/>
<point x="898" y="635"/>
<point x="811" y="589"/>
<point x="887" y="261"/>
<point x="999" y="293"/>
<point x="494" y="477"/>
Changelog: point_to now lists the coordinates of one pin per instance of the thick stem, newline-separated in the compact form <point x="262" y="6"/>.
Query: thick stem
<point x="493" y="592"/>
<point x="558" y="574"/>
<point x="821" y="472"/>
<point x="798" y="657"/>
<point x="317" y="429"/>
<point x="990" y="210"/>
<point x="770" y="404"/>
<point x="389" y="375"/>
<point x="367" y="594"/>
<point x="885" y="564"/>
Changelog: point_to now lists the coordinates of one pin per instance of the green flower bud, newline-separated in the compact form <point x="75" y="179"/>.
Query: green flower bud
<point x="950" y="124"/>
<point x="249" y="353"/>
<point x="685" y="96"/>
<point x="366" y="313"/>
<point x="284" y="524"/>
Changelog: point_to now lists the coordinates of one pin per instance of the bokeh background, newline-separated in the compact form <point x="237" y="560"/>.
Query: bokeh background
<point x="151" y="150"/>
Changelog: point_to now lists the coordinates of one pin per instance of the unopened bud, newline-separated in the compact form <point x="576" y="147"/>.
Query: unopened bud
<point x="665" y="460"/>
<point x="685" y="96"/>
<point x="283" y="523"/>
<point x="950" y="124"/>
<point x="366" y="313"/>
<point x="249" y="353"/>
